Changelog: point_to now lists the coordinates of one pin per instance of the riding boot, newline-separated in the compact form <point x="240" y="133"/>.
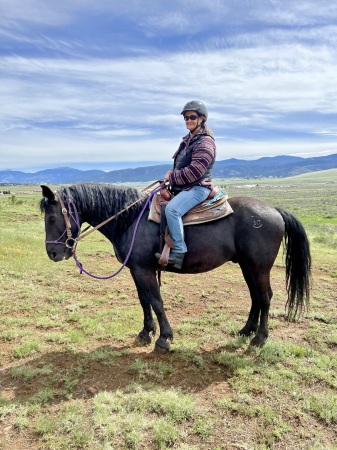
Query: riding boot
<point x="175" y="260"/>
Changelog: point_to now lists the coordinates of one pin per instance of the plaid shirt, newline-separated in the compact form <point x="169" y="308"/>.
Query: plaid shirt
<point x="202" y="157"/>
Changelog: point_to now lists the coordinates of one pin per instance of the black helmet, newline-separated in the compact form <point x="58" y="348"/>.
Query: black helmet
<point x="196" y="105"/>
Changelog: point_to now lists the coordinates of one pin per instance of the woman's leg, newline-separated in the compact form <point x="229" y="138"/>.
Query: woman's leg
<point x="175" y="210"/>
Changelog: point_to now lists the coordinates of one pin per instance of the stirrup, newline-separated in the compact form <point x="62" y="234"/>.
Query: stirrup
<point x="163" y="257"/>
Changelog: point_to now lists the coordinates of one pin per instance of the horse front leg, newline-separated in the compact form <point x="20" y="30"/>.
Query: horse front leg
<point x="149" y="326"/>
<point x="150" y="299"/>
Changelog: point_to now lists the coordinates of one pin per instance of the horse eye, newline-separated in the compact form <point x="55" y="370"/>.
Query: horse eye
<point x="51" y="220"/>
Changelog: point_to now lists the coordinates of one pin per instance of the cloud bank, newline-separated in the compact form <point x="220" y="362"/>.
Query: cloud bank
<point x="106" y="82"/>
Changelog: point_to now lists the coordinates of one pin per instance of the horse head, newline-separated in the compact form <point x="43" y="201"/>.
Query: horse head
<point x="62" y="224"/>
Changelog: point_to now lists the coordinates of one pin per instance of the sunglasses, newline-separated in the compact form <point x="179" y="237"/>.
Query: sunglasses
<point x="192" y="117"/>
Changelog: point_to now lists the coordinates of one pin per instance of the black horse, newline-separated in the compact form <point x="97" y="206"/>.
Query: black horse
<point x="251" y="237"/>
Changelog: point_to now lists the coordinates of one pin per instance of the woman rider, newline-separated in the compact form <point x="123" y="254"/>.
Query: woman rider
<point x="190" y="178"/>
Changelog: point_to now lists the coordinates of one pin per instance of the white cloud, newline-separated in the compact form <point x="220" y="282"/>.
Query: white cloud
<point x="134" y="90"/>
<point x="265" y="69"/>
<point x="49" y="149"/>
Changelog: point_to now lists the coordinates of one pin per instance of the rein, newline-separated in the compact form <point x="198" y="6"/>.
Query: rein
<point x="72" y="242"/>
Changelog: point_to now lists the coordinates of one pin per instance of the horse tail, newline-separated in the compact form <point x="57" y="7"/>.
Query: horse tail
<point x="298" y="264"/>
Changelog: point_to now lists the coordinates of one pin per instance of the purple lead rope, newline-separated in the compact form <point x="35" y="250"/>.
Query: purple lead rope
<point x="80" y="265"/>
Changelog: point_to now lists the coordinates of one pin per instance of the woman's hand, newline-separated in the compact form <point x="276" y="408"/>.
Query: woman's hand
<point x="167" y="175"/>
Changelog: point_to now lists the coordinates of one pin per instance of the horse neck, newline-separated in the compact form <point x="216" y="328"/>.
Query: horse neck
<point x="96" y="202"/>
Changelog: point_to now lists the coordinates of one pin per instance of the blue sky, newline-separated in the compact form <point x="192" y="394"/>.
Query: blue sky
<point x="101" y="84"/>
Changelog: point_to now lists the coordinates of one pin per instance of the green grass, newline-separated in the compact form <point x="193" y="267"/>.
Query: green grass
<point x="124" y="419"/>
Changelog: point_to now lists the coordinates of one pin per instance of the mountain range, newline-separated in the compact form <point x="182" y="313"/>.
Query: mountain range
<point x="277" y="166"/>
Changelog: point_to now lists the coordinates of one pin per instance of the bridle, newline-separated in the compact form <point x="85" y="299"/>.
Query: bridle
<point x="73" y="214"/>
<point x="72" y="242"/>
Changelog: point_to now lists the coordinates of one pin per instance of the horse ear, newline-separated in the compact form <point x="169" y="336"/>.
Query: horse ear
<point x="48" y="193"/>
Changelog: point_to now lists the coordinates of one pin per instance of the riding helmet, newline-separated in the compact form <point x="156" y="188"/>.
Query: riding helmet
<point x="197" y="106"/>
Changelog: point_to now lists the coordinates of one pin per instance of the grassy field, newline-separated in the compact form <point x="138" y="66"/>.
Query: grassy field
<point x="74" y="377"/>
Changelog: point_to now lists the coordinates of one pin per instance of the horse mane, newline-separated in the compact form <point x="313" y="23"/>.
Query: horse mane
<point x="102" y="201"/>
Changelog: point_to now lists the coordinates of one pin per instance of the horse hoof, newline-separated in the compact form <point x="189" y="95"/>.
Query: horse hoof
<point x="161" y="346"/>
<point x="246" y="332"/>
<point x="144" y="338"/>
<point x="160" y="350"/>
<point x="258" y="341"/>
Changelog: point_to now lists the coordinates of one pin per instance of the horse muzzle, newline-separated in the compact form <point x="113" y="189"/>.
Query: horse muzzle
<point x="56" y="255"/>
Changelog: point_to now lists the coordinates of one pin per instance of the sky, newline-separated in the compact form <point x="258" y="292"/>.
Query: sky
<point x="101" y="85"/>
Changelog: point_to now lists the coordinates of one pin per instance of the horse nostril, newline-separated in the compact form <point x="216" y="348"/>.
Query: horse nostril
<point x="53" y="256"/>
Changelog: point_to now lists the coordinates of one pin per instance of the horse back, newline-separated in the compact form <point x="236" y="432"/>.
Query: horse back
<point x="253" y="213"/>
<point x="258" y="228"/>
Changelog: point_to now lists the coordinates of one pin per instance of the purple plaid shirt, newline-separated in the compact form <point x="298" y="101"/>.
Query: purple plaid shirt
<point x="200" y="161"/>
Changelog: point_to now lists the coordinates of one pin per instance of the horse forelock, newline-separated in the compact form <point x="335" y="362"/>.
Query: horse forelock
<point x="42" y="205"/>
<point x="44" y="202"/>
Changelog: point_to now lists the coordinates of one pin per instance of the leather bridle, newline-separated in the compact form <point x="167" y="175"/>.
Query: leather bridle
<point x="73" y="214"/>
<point x="72" y="242"/>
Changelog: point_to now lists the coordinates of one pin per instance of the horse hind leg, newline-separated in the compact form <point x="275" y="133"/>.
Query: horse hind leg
<point x="262" y="332"/>
<point x="253" y="320"/>
<point x="261" y="295"/>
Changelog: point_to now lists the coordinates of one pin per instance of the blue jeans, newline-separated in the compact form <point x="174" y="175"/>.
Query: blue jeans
<point x="179" y="206"/>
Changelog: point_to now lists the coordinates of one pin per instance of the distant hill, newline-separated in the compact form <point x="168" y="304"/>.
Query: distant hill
<point x="278" y="166"/>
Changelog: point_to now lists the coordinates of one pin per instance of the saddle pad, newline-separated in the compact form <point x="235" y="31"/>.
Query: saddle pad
<point x="204" y="212"/>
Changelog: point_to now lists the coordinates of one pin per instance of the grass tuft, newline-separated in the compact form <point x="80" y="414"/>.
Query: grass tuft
<point x="323" y="406"/>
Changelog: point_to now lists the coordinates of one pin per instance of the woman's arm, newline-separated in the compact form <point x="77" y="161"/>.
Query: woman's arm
<point x="203" y="155"/>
